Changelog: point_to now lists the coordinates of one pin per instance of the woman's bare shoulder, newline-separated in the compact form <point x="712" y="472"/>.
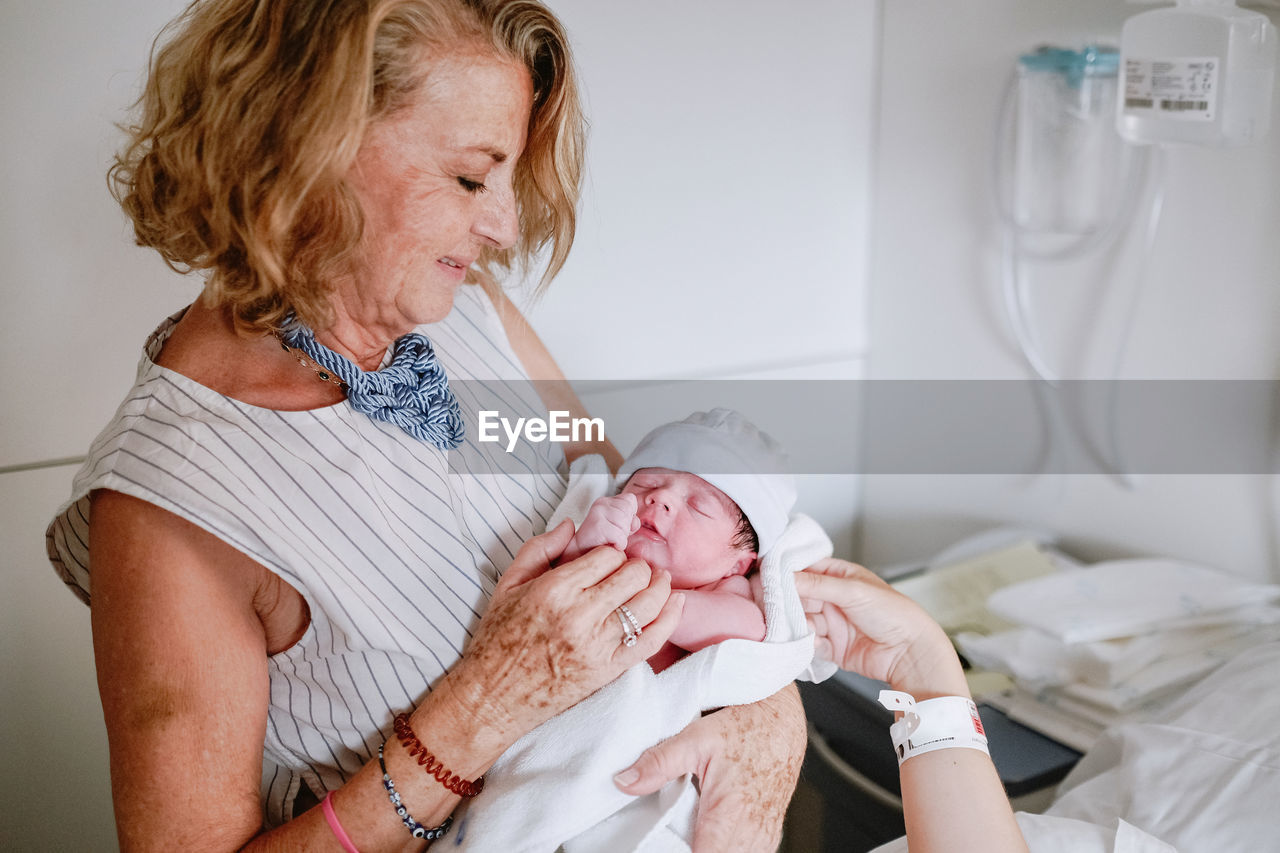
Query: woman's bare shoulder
<point x="142" y="549"/>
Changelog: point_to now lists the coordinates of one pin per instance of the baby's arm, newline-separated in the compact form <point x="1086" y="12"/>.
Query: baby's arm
<point x="720" y="612"/>
<point x="610" y="521"/>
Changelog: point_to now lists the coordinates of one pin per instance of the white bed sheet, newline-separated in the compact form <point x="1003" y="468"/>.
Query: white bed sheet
<point x="1204" y="776"/>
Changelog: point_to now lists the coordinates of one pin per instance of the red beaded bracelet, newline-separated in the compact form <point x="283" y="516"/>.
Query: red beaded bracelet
<point x="431" y="764"/>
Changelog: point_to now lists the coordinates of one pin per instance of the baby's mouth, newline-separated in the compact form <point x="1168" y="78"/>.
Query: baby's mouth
<point x="648" y="531"/>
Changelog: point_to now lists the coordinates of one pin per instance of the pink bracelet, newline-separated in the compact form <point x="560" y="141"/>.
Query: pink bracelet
<point x="331" y="818"/>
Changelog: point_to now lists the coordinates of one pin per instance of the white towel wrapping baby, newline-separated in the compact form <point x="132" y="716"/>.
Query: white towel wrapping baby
<point x="554" y="787"/>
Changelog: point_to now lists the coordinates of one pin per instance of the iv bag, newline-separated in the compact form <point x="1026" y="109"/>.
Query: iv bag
<point x="1199" y="73"/>
<point x="1069" y="161"/>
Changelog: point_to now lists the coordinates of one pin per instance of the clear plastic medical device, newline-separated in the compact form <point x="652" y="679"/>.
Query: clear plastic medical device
<point x="1199" y="73"/>
<point x="1068" y="162"/>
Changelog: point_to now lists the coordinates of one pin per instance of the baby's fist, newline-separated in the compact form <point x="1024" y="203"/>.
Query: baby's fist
<point x="610" y="521"/>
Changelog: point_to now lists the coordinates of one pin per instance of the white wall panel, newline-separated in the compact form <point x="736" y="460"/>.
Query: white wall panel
<point x="724" y="220"/>
<point x="1209" y="309"/>
<point x="78" y="297"/>
<point x="55" y="787"/>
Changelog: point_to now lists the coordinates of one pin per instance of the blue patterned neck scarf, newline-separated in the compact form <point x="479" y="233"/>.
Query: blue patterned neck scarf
<point x="411" y="392"/>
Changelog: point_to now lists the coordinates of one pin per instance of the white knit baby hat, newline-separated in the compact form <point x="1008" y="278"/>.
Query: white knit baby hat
<point x="729" y="452"/>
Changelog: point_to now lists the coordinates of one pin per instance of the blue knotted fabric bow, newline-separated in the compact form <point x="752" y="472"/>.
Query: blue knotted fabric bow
<point x="411" y="392"/>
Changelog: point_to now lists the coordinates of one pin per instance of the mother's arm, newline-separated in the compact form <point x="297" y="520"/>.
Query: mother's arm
<point x="182" y="653"/>
<point x="952" y="799"/>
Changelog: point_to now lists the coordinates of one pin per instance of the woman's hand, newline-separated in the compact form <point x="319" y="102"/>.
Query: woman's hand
<point x="952" y="799"/>
<point x="864" y="625"/>
<point x="747" y="759"/>
<point x="550" y="637"/>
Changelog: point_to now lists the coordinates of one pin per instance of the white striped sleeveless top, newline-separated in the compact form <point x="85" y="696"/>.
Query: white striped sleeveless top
<point x="395" y="550"/>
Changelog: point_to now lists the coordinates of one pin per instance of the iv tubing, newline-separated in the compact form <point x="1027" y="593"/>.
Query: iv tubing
<point x="1156" y="167"/>
<point x="1015" y="250"/>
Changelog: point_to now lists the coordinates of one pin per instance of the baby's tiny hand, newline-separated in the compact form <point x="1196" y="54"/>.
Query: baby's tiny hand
<point x="610" y="521"/>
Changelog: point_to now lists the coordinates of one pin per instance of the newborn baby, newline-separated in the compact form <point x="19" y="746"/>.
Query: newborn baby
<point x="696" y="495"/>
<point x="692" y="496"/>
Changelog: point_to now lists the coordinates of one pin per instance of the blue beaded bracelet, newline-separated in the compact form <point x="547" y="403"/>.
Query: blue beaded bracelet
<point x="416" y="829"/>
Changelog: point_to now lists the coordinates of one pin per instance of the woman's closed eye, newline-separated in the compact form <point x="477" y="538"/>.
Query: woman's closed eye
<point x="471" y="186"/>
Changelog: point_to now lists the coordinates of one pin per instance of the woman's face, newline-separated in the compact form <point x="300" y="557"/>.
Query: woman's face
<point x="435" y="181"/>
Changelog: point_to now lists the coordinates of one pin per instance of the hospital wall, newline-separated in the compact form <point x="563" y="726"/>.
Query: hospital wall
<point x="729" y="180"/>
<point x="1210" y="308"/>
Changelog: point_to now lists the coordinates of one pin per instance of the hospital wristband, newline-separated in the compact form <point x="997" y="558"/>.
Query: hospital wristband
<point x="947" y="722"/>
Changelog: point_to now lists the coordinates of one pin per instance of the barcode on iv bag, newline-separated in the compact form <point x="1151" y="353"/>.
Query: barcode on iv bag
<point x="1171" y="106"/>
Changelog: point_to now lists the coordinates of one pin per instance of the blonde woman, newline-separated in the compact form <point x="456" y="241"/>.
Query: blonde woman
<point x="314" y="627"/>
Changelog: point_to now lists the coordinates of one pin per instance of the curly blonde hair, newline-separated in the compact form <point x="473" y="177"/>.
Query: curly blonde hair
<point x="252" y="115"/>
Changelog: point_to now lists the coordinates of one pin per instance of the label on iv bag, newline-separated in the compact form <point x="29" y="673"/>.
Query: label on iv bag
<point x="1185" y="88"/>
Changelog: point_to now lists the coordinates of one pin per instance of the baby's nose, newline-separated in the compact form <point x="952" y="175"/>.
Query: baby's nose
<point x="658" y="501"/>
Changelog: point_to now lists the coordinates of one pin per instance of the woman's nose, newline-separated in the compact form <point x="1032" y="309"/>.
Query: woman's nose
<point x="498" y="221"/>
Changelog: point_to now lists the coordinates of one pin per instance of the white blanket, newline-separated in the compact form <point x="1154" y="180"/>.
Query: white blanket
<point x="554" y="787"/>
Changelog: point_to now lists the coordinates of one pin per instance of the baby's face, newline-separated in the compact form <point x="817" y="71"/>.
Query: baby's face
<point x="687" y="527"/>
